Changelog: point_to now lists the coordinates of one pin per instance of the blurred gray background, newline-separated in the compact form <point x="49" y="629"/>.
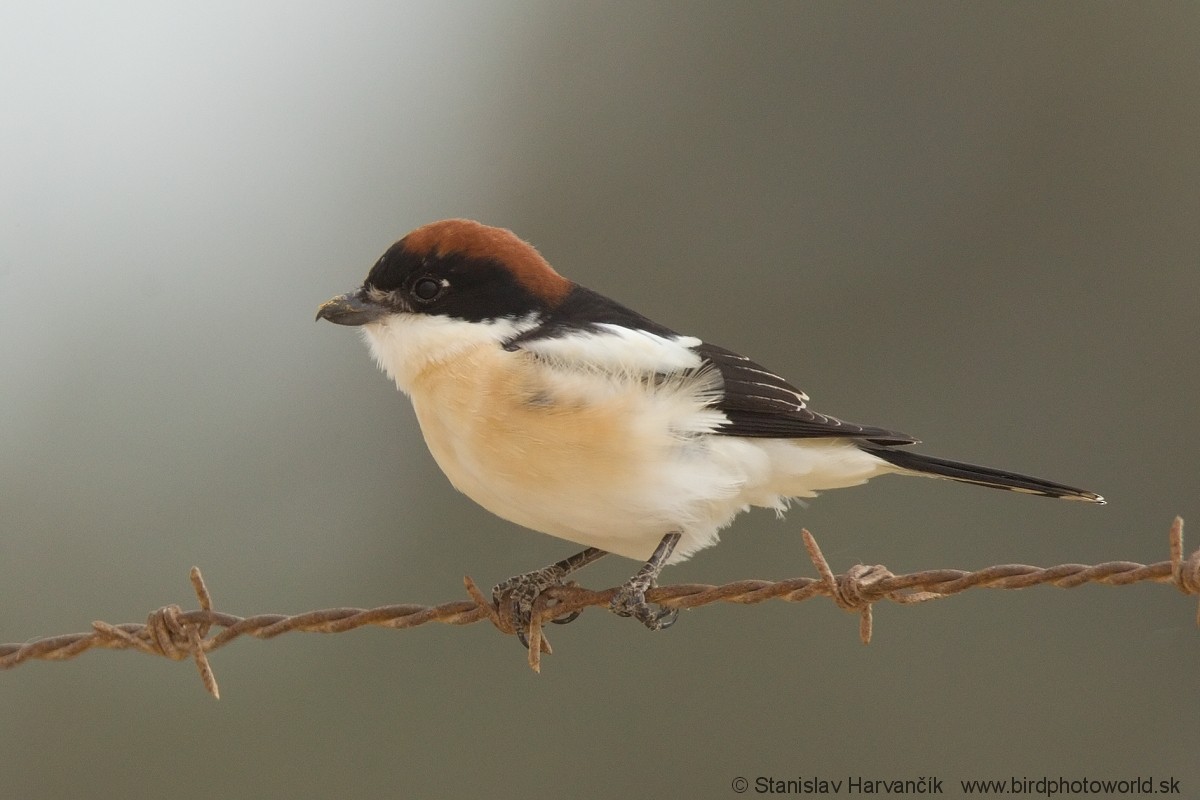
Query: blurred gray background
<point x="976" y="223"/>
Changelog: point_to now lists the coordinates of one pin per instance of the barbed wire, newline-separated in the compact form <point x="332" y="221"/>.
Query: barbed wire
<point x="177" y="634"/>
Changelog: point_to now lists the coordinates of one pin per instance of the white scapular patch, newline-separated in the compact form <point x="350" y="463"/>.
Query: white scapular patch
<point x="615" y="348"/>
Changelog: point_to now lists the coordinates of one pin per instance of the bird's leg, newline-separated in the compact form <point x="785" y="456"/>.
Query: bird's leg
<point x="630" y="599"/>
<point x="523" y="590"/>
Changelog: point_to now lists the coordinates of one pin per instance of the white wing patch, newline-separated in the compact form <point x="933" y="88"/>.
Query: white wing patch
<point x="660" y="380"/>
<point x="620" y="350"/>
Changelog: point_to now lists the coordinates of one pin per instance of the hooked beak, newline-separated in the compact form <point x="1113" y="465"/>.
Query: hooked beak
<point x="351" y="309"/>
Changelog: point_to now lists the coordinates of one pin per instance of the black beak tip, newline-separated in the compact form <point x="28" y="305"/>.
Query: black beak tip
<point x="350" y="309"/>
<point x="338" y="309"/>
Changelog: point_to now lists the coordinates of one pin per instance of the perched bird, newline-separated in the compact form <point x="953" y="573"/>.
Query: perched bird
<point x="561" y="410"/>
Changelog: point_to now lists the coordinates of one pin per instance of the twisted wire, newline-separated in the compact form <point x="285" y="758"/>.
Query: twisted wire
<point x="176" y="634"/>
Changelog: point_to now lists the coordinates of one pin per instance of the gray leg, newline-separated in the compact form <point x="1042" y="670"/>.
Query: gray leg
<point x="522" y="590"/>
<point x="630" y="599"/>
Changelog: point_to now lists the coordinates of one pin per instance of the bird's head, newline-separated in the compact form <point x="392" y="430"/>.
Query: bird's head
<point x="445" y="286"/>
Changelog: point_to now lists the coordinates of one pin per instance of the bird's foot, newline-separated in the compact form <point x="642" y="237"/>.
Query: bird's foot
<point x="630" y="601"/>
<point x="521" y="591"/>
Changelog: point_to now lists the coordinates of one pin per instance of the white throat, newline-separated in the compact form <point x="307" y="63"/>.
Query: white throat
<point x="404" y="344"/>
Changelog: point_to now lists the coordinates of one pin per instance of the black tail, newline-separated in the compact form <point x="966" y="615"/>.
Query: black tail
<point x="983" y="476"/>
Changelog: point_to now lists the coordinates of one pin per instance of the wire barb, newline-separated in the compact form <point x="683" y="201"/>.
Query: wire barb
<point x="176" y="634"/>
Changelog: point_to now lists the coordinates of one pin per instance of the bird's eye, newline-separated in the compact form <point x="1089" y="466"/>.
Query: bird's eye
<point x="426" y="289"/>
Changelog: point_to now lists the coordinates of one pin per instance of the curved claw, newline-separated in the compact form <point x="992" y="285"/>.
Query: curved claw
<point x="666" y="618"/>
<point x="630" y="601"/>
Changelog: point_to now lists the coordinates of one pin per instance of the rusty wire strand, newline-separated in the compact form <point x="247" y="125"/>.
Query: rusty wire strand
<point x="178" y="634"/>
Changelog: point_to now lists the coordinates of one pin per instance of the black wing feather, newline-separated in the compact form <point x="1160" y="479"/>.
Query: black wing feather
<point x="759" y="403"/>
